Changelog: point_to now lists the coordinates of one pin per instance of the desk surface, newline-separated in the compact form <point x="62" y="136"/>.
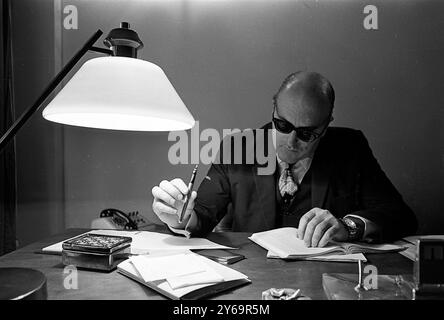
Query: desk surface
<point x="264" y="273"/>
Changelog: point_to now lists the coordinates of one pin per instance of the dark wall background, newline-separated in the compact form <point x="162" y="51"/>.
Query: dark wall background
<point x="39" y="145"/>
<point x="226" y="60"/>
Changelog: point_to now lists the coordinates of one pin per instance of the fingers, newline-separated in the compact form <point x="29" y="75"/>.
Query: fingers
<point x="169" y="200"/>
<point x="164" y="196"/>
<point x="160" y="207"/>
<point x="305" y="219"/>
<point x="171" y="189"/>
<point x="328" y="235"/>
<point x="315" y="227"/>
<point x="180" y="185"/>
<point x="319" y="232"/>
<point x="309" y="231"/>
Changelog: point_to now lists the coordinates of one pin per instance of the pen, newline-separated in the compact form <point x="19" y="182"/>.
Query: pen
<point x="188" y="195"/>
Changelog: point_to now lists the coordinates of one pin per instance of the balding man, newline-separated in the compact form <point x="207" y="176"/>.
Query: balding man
<point x="327" y="182"/>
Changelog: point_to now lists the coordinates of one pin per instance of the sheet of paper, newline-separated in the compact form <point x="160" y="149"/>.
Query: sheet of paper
<point x="153" y="268"/>
<point x="57" y="247"/>
<point x="145" y="241"/>
<point x="206" y="277"/>
<point x="410" y="252"/>
<point x="354" y="257"/>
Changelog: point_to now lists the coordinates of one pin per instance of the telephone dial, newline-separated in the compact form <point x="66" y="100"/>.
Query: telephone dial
<point x="116" y="219"/>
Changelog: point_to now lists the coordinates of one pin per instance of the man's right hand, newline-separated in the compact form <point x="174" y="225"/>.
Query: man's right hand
<point x="169" y="199"/>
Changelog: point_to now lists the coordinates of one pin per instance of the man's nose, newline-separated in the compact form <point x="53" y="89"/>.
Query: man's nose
<point x="292" y="139"/>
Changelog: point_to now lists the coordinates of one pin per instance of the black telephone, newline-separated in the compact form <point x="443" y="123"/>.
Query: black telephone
<point x="116" y="219"/>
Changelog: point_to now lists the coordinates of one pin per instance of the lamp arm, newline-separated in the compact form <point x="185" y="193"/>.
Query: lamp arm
<point x="102" y="50"/>
<point x="52" y="85"/>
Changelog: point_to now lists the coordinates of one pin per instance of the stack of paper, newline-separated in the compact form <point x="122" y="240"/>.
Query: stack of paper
<point x="179" y="270"/>
<point x="181" y="275"/>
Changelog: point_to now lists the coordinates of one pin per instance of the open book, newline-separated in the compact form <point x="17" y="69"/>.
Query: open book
<point x="283" y="242"/>
<point x="181" y="275"/>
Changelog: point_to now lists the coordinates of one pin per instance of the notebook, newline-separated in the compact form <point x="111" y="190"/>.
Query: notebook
<point x="182" y="275"/>
<point x="221" y="256"/>
<point x="284" y="243"/>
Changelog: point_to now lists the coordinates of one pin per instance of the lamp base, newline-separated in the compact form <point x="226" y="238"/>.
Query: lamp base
<point x="342" y="286"/>
<point x="22" y="283"/>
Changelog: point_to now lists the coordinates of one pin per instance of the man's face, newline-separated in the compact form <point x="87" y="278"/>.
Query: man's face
<point x="305" y="111"/>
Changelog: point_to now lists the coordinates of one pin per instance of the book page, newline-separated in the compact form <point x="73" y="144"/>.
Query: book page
<point x="371" y="248"/>
<point x="284" y="243"/>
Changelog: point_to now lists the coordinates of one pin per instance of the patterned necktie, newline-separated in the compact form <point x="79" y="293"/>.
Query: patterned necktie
<point x="287" y="186"/>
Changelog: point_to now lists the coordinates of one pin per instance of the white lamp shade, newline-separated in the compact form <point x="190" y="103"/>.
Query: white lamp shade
<point x="120" y="93"/>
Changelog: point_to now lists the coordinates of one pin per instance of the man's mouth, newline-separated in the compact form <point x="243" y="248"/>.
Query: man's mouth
<point x="291" y="149"/>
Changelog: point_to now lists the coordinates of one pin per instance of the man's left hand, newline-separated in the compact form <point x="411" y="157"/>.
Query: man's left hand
<point x="318" y="226"/>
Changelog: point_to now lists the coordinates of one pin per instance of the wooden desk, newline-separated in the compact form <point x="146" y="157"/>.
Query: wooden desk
<point x="264" y="273"/>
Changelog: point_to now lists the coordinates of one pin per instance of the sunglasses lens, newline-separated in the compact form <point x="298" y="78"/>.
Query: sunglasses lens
<point x="304" y="135"/>
<point x="283" y="126"/>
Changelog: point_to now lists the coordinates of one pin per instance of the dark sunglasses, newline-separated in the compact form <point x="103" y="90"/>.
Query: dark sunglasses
<point x="305" y="135"/>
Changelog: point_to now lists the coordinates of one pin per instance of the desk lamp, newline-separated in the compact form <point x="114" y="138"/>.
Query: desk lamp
<point x="117" y="92"/>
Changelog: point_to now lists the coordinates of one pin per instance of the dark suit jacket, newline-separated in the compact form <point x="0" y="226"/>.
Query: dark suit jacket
<point x="346" y="179"/>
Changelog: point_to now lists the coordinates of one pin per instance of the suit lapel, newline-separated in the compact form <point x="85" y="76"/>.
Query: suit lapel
<point x="266" y="197"/>
<point x="265" y="185"/>
<point x="320" y="177"/>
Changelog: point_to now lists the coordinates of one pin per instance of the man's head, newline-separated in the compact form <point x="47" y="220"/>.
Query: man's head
<point x="304" y="101"/>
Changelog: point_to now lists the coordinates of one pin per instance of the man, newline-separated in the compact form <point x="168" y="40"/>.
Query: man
<point x="327" y="182"/>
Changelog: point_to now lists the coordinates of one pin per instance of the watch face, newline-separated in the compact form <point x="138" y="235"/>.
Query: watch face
<point x="351" y="223"/>
<point x="351" y="228"/>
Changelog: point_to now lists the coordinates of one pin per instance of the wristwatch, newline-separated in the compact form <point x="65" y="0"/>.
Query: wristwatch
<point x="355" y="228"/>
